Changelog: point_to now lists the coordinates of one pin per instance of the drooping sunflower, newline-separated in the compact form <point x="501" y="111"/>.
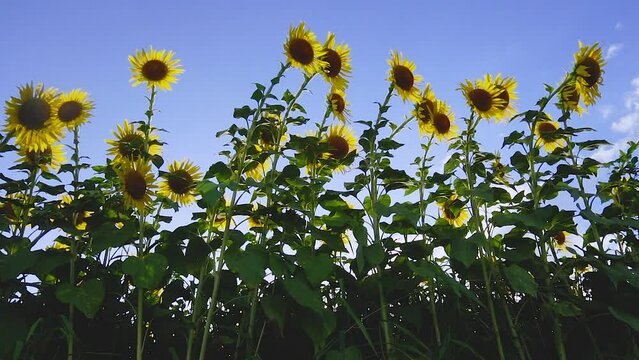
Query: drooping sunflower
<point x="424" y="108"/>
<point x="137" y="184"/>
<point x="303" y="50"/>
<point x="442" y="123"/>
<point x="339" y="106"/>
<point x="548" y="135"/>
<point x="128" y="144"/>
<point x="155" y="68"/>
<point x="483" y="98"/>
<point x="79" y="218"/>
<point x="255" y="220"/>
<point x="341" y="141"/>
<point x="506" y="87"/>
<point x="257" y="170"/>
<point x="31" y="117"/>
<point x="588" y="68"/>
<point x="180" y="181"/>
<point x="48" y="160"/>
<point x="402" y="75"/>
<point x="569" y="98"/>
<point x="454" y="211"/>
<point x="561" y="241"/>
<point x="267" y="129"/>
<point x="337" y="63"/>
<point x="12" y="207"/>
<point x="500" y="171"/>
<point x="74" y="108"/>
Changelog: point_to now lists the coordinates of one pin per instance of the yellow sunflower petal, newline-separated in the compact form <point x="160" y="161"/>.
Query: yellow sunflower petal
<point x="303" y="50"/>
<point x="402" y="75"/>
<point x="155" y="68"/>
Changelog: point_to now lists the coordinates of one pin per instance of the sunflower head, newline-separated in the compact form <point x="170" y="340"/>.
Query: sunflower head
<point x="506" y="92"/>
<point x="74" y="108"/>
<point x="561" y="240"/>
<point x="442" y="123"/>
<point x="339" y="106"/>
<point x="483" y="97"/>
<point x="48" y="160"/>
<point x="31" y="117"/>
<point x="255" y="220"/>
<point x="128" y="144"/>
<point x="303" y="50"/>
<point x="257" y="169"/>
<point x="79" y="218"/>
<point x="180" y="181"/>
<point x="500" y="171"/>
<point x="341" y="142"/>
<point x="155" y="68"/>
<point x="11" y="207"/>
<point x="454" y="211"/>
<point x="589" y="69"/>
<point x="337" y="63"/>
<point x="548" y="134"/>
<point x="402" y="75"/>
<point x="569" y="98"/>
<point x="136" y="184"/>
<point x="267" y="129"/>
<point x="424" y="109"/>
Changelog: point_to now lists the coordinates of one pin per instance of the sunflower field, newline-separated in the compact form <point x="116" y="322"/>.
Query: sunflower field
<point x="304" y="240"/>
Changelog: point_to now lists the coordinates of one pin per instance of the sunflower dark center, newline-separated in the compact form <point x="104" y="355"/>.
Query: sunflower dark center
<point x="593" y="69"/>
<point x="403" y="77"/>
<point x="69" y="111"/>
<point x="131" y="146"/>
<point x="424" y="110"/>
<point x="135" y="185"/>
<point x="180" y="181"/>
<point x="155" y="70"/>
<point x="339" y="147"/>
<point x="481" y="99"/>
<point x="504" y="96"/>
<point x="448" y="213"/>
<point x="560" y="238"/>
<point x="338" y="103"/>
<point x="570" y="94"/>
<point x="442" y="123"/>
<point x="266" y="135"/>
<point x="301" y="51"/>
<point x="334" y="62"/>
<point x="34" y="113"/>
<point x="546" y="130"/>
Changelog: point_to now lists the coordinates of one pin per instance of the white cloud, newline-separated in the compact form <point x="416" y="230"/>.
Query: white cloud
<point x="606" y="110"/>
<point x="613" y="50"/>
<point x="608" y="153"/>
<point x="627" y="123"/>
<point x="618" y="25"/>
<point x="632" y="99"/>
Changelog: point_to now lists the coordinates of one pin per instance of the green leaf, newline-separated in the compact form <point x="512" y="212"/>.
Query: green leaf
<point x="630" y="319"/>
<point x="210" y="193"/>
<point x="350" y="353"/>
<point x="87" y="297"/>
<point x="14" y="264"/>
<point x="243" y="113"/>
<point x="374" y="254"/>
<point x="248" y="264"/>
<point x="275" y="309"/>
<point x="521" y="280"/>
<point x="463" y="251"/>
<point x="108" y="236"/>
<point x="147" y="272"/>
<point x="303" y="294"/>
<point x="317" y="268"/>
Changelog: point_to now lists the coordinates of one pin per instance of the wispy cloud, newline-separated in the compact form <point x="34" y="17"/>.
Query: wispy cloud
<point x="606" y="110"/>
<point x="618" y="25"/>
<point x="613" y="50"/>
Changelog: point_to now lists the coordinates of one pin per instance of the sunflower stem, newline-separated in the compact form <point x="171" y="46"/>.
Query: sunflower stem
<point x="76" y="179"/>
<point x="237" y="175"/>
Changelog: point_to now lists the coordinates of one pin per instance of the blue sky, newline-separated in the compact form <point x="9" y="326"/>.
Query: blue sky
<point x="227" y="46"/>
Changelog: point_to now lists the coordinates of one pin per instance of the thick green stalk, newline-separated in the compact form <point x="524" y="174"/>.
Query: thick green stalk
<point x="241" y="158"/>
<point x="76" y="179"/>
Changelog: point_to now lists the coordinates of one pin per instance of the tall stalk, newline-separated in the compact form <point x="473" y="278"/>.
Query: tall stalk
<point x="76" y="179"/>
<point x="237" y="174"/>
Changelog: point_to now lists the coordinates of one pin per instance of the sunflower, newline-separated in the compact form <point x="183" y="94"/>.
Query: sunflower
<point x="12" y="207"/>
<point x="137" y="184"/>
<point x="341" y="142"/>
<point x="423" y="110"/>
<point x="129" y="144"/>
<point x="155" y="68"/>
<point x="442" y="123"/>
<point x="79" y="218"/>
<point x="74" y="108"/>
<point x="31" y="117"/>
<point x="454" y="211"/>
<point x="219" y="222"/>
<point x="255" y="220"/>
<point x="179" y="183"/>
<point x="303" y="50"/>
<point x="548" y="136"/>
<point x="339" y="106"/>
<point x="569" y="98"/>
<point x="506" y="87"/>
<point x="48" y="160"/>
<point x="588" y="69"/>
<point x="483" y="97"/>
<point x="561" y="241"/>
<point x="337" y="63"/>
<point x="500" y="171"/>
<point x="257" y="170"/>
<point x="402" y="76"/>
<point x="266" y="130"/>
